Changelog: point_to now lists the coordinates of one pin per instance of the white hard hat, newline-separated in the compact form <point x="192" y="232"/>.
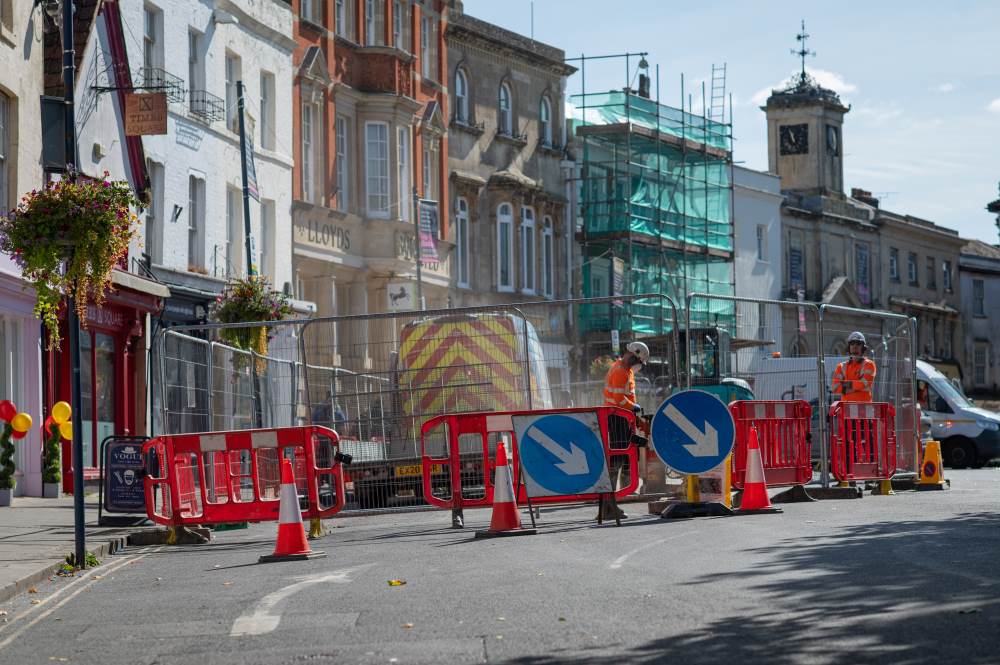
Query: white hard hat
<point x="640" y="350"/>
<point x="856" y="336"/>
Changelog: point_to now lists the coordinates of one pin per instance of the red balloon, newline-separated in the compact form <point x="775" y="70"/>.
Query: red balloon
<point x="18" y="435"/>
<point x="7" y="410"/>
<point x="47" y="427"/>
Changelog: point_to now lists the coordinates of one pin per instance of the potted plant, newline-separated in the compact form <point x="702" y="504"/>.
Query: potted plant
<point x="248" y="301"/>
<point x="15" y="426"/>
<point x="67" y="238"/>
<point x="57" y="427"/>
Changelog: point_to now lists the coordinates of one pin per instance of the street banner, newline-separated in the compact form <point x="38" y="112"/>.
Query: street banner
<point x="428" y="211"/>
<point x="251" y="183"/>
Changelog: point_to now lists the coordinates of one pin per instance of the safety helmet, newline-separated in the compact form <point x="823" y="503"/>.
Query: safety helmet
<point x="640" y="350"/>
<point x="856" y="336"/>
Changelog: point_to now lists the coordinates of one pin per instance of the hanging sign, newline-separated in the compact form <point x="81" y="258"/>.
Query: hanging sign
<point x="145" y="113"/>
<point x="428" y="211"/>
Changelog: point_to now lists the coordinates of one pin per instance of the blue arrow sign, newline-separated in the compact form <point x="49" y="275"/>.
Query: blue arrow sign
<point x="692" y="431"/>
<point x="562" y="454"/>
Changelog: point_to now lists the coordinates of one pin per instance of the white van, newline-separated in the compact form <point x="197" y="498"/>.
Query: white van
<point x="969" y="436"/>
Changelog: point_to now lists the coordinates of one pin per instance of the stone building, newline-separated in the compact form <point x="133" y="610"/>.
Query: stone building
<point x="507" y="161"/>
<point x="979" y="276"/>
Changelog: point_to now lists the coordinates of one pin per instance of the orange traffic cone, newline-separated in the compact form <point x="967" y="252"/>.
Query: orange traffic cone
<point x="292" y="544"/>
<point x="755" y="499"/>
<point x="506" y="521"/>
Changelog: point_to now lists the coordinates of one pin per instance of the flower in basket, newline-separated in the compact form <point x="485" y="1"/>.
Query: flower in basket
<point x="67" y="239"/>
<point x="599" y="366"/>
<point x="249" y="300"/>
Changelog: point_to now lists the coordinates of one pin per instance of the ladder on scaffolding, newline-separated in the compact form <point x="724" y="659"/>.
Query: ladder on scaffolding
<point x="717" y="111"/>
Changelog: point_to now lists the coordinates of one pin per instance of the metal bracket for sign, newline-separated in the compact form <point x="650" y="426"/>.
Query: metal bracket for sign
<point x="122" y="519"/>
<point x="148" y="79"/>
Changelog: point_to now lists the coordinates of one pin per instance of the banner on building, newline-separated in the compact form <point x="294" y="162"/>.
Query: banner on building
<point x="145" y="113"/>
<point x="428" y="216"/>
<point x="618" y="279"/>
<point x="251" y="169"/>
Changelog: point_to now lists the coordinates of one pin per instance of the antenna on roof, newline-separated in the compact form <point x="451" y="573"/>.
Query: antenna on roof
<point x="802" y="51"/>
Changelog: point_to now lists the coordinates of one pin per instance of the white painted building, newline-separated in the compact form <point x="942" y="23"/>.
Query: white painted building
<point x="21" y="86"/>
<point x="757" y="219"/>
<point x="193" y="231"/>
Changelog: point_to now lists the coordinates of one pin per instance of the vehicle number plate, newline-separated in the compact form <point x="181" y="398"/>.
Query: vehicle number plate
<point x="416" y="469"/>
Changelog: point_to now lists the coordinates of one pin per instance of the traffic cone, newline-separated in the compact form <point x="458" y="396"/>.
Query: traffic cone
<point x="755" y="499"/>
<point x="931" y="471"/>
<point x="506" y="521"/>
<point x="292" y="544"/>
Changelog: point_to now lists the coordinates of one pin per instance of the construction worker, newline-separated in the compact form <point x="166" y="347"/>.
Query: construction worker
<point x="619" y="390"/>
<point x="854" y="379"/>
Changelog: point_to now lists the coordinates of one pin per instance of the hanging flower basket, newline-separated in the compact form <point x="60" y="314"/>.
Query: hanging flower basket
<point x="599" y="367"/>
<point x="67" y="239"/>
<point x="249" y="300"/>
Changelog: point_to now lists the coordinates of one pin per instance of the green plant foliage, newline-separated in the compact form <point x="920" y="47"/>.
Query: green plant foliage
<point x="50" y="457"/>
<point x="7" y="467"/>
<point x="92" y="561"/>
<point x="247" y="301"/>
<point x="84" y="225"/>
<point x="599" y="366"/>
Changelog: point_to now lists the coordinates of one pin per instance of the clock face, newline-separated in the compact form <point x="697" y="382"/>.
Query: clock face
<point x="793" y="139"/>
<point x="832" y="141"/>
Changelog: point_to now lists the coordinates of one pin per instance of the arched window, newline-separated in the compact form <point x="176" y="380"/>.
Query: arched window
<point x="548" y="259"/>
<point x="462" y="240"/>
<point x="505" y="124"/>
<point x="545" y="122"/>
<point x="461" y="97"/>
<point x="505" y="248"/>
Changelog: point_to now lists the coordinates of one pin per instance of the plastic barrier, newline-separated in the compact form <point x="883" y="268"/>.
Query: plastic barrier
<point x="783" y="436"/>
<point x="220" y="477"/>
<point x="466" y="456"/>
<point x="862" y="441"/>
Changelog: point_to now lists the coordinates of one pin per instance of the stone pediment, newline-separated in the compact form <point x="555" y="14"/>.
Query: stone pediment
<point x="840" y="291"/>
<point x="313" y="66"/>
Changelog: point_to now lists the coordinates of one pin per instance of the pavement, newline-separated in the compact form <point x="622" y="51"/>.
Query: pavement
<point x="37" y="534"/>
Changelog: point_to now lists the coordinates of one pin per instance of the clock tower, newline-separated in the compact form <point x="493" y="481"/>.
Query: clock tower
<point x="804" y="140"/>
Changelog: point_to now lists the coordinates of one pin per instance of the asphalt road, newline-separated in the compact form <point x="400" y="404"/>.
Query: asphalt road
<point x="911" y="578"/>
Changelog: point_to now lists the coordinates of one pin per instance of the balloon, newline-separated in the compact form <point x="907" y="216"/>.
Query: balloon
<point x="61" y="412"/>
<point x="18" y="435"/>
<point x="66" y="431"/>
<point x="21" y="422"/>
<point x="7" y="410"/>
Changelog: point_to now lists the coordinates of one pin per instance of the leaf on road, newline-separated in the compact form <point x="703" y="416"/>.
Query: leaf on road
<point x="562" y="619"/>
<point x="501" y="618"/>
<point x="227" y="584"/>
<point x="96" y="577"/>
<point x="407" y="625"/>
<point x="3" y="613"/>
<point x="36" y="602"/>
<point x="397" y="582"/>
<point x="32" y="589"/>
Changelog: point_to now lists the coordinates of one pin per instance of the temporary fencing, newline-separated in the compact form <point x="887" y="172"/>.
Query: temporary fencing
<point x="783" y="438"/>
<point x="223" y="477"/>
<point x="863" y="442"/>
<point x="377" y="378"/>
<point x="458" y="453"/>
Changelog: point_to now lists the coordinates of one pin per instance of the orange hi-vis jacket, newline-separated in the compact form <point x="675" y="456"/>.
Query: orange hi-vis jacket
<point x="853" y="381"/>
<point x="619" y="385"/>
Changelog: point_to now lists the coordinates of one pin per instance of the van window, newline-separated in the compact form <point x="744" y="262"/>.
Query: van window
<point x="936" y="403"/>
<point x="950" y="393"/>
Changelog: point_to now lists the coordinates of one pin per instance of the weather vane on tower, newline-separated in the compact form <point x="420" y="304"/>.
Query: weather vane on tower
<point x="802" y="52"/>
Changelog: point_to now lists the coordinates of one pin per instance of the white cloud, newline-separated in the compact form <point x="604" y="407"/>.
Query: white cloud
<point x="826" y="78"/>
<point x="994" y="105"/>
<point x="946" y="87"/>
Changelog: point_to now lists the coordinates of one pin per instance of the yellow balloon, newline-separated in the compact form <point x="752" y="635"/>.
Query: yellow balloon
<point x="61" y="412"/>
<point x="66" y="431"/>
<point x="21" y="422"/>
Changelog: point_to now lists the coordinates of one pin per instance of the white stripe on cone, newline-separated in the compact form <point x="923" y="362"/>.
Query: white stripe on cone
<point x="755" y="466"/>
<point x="289" y="512"/>
<point x="503" y="486"/>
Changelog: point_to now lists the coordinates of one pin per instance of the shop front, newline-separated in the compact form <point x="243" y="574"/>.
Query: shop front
<point x="113" y="352"/>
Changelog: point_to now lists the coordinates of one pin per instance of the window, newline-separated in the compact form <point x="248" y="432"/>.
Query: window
<point x="911" y="268"/>
<point x="505" y="243"/>
<point x="462" y="241"/>
<point x="377" y="168"/>
<point x="796" y="261"/>
<point x="267" y="110"/>
<point x="234" y="233"/>
<point x="152" y="47"/>
<point x="979" y="365"/>
<point x="762" y="242"/>
<point x="154" y="214"/>
<point x="343" y="180"/>
<point x="401" y="25"/>
<point x="11" y="354"/>
<point x="425" y="171"/>
<point x="267" y="230"/>
<point x="234" y="72"/>
<point x="545" y="122"/>
<point x="528" y="250"/>
<point x="312" y="10"/>
<point x="949" y="335"/>
<point x="504" y="120"/>
<point x="196" y="69"/>
<point x="403" y="172"/>
<point x="461" y="97"/>
<point x="4" y="152"/>
<point x="375" y="22"/>
<point x="345" y="19"/>
<point x="196" y="222"/>
<point x="946" y="276"/>
<point x="548" y="259"/>
<point x="931" y="273"/>
<point x="894" y="264"/>
<point x="978" y="297"/>
<point x="310" y="152"/>
<point x="429" y="46"/>
<point x="862" y="272"/>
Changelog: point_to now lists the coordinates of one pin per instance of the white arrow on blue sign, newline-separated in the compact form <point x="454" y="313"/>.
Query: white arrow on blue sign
<point x="562" y="454"/>
<point x="692" y="431"/>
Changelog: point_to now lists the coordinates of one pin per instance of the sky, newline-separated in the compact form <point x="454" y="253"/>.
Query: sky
<point x="923" y="81"/>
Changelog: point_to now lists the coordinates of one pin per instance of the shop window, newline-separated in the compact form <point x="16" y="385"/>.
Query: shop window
<point x="98" y="392"/>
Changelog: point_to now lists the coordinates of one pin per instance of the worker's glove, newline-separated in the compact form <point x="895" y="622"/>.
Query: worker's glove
<point x="636" y="409"/>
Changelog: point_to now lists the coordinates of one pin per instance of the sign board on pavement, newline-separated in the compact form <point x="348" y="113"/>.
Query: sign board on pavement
<point x="562" y="454"/>
<point x="692" y="431"/>
<point x="123" y="470"/>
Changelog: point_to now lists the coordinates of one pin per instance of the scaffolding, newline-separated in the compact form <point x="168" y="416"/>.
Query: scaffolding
<point x="655" y="192"/>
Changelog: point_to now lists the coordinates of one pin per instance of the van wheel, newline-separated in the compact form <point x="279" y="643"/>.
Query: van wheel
<point x="959" y="453"/>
